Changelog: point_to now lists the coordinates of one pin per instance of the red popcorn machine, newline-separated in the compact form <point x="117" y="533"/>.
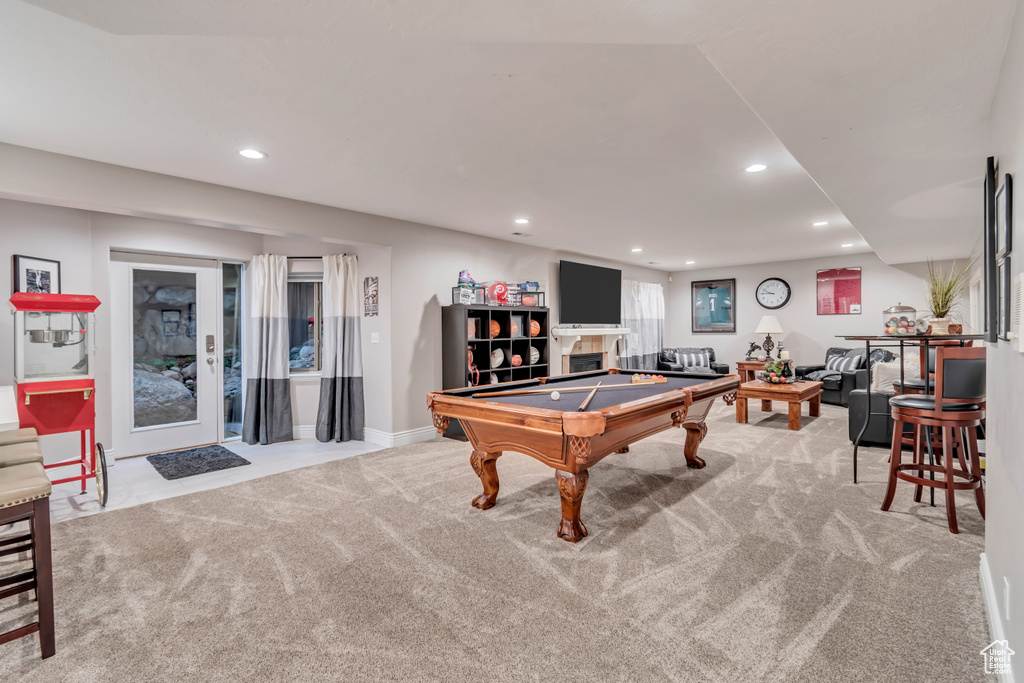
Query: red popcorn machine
<point x="53" y="371"/>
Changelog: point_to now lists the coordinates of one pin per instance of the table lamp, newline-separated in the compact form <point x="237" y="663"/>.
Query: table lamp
<point x="768" y="326"/>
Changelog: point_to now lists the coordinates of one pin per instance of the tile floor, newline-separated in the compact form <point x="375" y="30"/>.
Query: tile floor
<point x="133" y="481"/>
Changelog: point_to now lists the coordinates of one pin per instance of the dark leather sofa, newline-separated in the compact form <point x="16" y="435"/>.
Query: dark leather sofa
<point x="837" y="390"/>
<point x="667" y="358"/>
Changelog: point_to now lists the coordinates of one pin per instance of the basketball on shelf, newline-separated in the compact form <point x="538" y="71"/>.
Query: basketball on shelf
<point x="495" y="328"/>
<point x="534" y="355"/>
<point x="534" y="328"/>
<point x="494" y="379"/>
<point x="529" y="300"/>
<point x="517" y="360"/>
<point x="515" y="329"/>
<point x="496" y="357"/>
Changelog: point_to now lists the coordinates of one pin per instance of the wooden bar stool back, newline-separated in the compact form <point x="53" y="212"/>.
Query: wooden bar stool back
<point x="956" y="409"/>
<point x="25" y="497"/>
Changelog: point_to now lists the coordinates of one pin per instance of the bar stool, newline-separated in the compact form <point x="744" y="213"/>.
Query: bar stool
<point x="25" y="497"/>
<point x="956" y="409"/>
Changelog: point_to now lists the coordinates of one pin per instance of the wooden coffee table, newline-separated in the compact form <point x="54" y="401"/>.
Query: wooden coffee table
<point x="793" y="394"/>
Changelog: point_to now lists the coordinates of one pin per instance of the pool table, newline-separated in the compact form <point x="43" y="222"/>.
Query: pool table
<point x="559" y="435"/>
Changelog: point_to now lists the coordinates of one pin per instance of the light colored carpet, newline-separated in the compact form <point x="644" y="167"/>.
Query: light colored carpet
<point x="768" y="565"/>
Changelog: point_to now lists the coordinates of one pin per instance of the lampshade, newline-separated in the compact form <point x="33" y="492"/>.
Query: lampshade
<point x="769" y="325"/>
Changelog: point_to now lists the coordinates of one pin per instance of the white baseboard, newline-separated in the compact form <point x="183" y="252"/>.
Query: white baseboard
<point x="376" y="436"/>
<point x="991" y="600"/>
<point x="390" y="439"/>
<point x="304" y="432"/>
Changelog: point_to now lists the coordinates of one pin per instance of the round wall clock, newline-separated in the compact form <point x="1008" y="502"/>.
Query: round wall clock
<point x="773" y="293"/>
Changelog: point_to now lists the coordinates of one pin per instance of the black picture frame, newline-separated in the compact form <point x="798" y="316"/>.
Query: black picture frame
<point x="991" y="311"/>
<point x="1004" y="218"/>
<point x="1005" y="279"/>
<point x="34" y="274"/>
<point x="706" y="310"/>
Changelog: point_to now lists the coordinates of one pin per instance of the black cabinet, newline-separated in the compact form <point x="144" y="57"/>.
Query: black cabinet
<point x="483" y="345"/>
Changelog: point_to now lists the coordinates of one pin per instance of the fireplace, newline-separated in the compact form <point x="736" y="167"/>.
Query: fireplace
<point x="582" y="362"/>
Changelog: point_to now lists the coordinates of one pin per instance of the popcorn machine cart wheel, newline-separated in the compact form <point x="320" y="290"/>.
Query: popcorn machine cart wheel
<point x="53" y="370"/>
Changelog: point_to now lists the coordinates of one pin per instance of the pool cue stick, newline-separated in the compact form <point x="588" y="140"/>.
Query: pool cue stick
<point x="522" y="392"/>
<point x="588" y="399"/>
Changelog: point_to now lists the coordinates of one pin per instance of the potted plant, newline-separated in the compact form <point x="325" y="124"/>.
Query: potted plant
<point x="945" y="287"/>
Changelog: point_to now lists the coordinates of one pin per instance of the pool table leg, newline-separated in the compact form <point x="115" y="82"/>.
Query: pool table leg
<point x="695" y="433"/>
<point x="571" y="488"/>
<point x="485" y="466"/>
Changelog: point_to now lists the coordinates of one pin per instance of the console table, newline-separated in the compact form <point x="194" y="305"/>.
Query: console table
<point x="883" y="341"/>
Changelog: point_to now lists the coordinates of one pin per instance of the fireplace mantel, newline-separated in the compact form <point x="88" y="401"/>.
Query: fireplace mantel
<point x="567" y="336"/>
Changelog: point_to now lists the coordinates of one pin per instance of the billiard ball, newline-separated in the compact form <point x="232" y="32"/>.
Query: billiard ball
<point x="555" y="395"/>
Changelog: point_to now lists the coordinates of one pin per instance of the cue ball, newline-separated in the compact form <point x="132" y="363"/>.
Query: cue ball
<point x="555" y="395"/>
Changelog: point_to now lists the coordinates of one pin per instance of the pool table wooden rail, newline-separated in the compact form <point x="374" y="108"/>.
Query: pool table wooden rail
<point x="571" y="442"/>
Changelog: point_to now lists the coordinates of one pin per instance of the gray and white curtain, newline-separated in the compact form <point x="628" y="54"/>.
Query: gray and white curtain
<point x="340" y="416"/>
<point x="268" y="403"/>
<point x="643" y="312"/>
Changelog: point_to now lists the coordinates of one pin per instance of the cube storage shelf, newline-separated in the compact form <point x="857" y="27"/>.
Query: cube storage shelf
<point x="468" y="329"/>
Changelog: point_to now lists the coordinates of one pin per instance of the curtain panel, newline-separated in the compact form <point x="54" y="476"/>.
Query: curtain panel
<point x="340" y="415"/>
<point x="268" y="403"/>
<point x="643" y="312"/>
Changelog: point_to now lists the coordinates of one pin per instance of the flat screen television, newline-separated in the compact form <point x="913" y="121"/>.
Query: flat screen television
<point x="589" y="294"/>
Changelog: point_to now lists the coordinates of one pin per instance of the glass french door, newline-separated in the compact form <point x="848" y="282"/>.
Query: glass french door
<point x="176" y="364"/>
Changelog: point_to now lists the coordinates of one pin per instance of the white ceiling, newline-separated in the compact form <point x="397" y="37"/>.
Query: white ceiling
<point x="612" y="125"/>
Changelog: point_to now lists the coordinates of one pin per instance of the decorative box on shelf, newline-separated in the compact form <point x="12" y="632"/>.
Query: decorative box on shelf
<point x="468" y="295"/>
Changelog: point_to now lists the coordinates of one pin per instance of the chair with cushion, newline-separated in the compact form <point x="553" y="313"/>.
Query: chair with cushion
<point x="956" y="409"/>
<point x="25" y="497"/>
<point x="837" y="374"/>
<point x="691" y="359"/>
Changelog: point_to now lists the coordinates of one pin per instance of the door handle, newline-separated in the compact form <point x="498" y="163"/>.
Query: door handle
<point x="211" y="360"/>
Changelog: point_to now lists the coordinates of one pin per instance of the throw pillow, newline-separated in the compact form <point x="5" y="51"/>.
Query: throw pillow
<point x="843" y="363"/>
<point x="700" y="369"/>
<point x="884" y="375"/>
<point x="697" y="359"/>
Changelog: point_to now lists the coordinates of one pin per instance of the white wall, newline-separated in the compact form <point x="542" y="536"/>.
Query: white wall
<point x="807" y="335"/>
<point x="1004" y="536"/>
<point x="426" y="266"/>
<point x="47" y="232"/>
<point x="425" y="260"/>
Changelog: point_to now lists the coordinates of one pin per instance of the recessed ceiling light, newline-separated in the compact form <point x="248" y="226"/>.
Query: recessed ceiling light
<point x="756" y="168"/>
<point x="252" y="154"/>
<point x="522" y="221"/>
<point x="637" y="250"/>
<point x="690" y="263"/>
<point x="846" y="245"/>
<point x="819" y="224"/>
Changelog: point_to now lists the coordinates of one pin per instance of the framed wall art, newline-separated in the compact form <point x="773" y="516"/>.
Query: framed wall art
<point x="1004" y="218"/>
<point x="1004" y="298"/>
<point x="36" y="275"/>
<point x="713" y="306"/>
<point x="370" y="287"/>
<point x="838" y="291"/>
<point x="991" y="276"/>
